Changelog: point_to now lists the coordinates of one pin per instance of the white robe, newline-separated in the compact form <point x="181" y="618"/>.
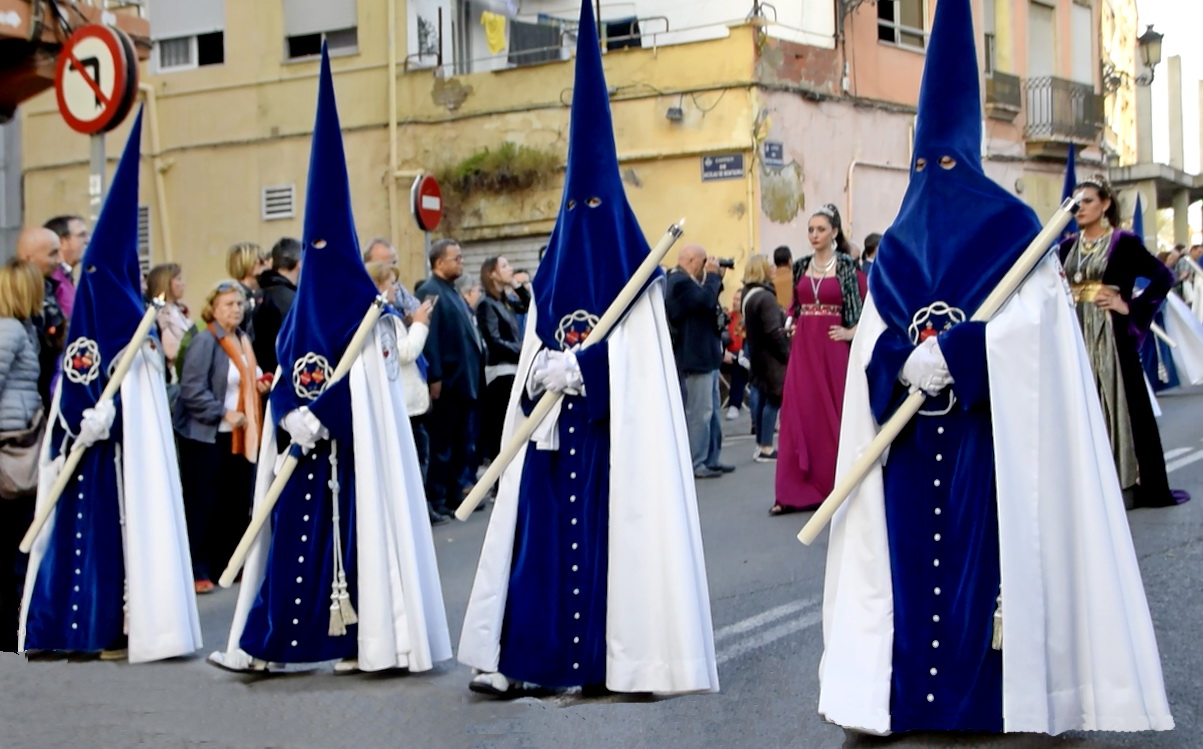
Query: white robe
<point x="659" y="636"/>
<point x="162" y="615"/>
<point x="402" y="621"/>
<point x="1079" y="651"/>
<point x="1187" y="332"/>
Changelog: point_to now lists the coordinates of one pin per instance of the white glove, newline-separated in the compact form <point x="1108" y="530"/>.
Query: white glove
<point x="96" y="423"/>
<point x="742" y="361"/>
<point x="305" y="429"/>
<point x="925" y="368"/>
<point x="557" y="371"/>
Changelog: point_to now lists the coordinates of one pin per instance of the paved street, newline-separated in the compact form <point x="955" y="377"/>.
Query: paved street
<point x="766" y="596"/>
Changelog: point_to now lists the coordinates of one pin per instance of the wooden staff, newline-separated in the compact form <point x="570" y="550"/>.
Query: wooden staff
<point x="1010" y="283"/>
<point x="618" y="308"/>
<point x="78" y="448"/>
<point x="263" y="511"/>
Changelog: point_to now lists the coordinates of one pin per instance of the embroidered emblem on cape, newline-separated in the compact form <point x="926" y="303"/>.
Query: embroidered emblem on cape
<point x="932" y="320"/>
<point x="81" y="361"/>
<point x="575" y="328"/>
<point x="388" y="349"/>
<point x="310" y="375"/>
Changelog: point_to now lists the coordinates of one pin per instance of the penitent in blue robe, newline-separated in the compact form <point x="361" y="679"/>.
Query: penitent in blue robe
<point x="290" y="619"/>
<point x="78" y="601"/>
<point x="554" y="630"/>
<point x="942" y="519"/>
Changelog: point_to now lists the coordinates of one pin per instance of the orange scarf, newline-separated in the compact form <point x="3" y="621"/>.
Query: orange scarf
<point x="245" y="440"/>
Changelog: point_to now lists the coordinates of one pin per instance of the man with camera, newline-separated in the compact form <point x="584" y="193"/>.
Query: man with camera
<point x="697" y="321"/>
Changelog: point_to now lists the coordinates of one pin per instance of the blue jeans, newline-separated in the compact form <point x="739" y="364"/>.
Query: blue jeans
<point x="764" y="419"/>
<point x="701" y="418"/>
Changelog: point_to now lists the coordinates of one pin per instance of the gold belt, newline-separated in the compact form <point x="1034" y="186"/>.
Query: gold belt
<point x="816" y="310"/>
<point x="1085" y="291"/>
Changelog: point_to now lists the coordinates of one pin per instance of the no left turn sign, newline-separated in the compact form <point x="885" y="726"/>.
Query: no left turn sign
<point x="96" y="79"/>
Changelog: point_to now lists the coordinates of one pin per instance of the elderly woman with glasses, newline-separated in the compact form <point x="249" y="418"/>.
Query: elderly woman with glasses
<point x="217" y="419"/>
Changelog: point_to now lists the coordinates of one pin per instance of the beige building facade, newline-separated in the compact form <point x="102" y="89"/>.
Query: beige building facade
<point x="743" y="124"/>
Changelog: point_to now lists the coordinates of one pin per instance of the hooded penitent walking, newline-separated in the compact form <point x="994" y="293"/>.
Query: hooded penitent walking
<point x="984" y="577"/>
<point x="345" y="568"/>
<point x="112" y="560"/>
<point x="592" y="571"/>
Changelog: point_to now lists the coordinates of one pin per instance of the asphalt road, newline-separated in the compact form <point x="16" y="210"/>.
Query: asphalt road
<point x="765" y="594"/>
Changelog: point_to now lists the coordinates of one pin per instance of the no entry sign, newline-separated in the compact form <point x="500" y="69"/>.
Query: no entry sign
<point x="96" y="79"/>
<point x="427" y="202"/>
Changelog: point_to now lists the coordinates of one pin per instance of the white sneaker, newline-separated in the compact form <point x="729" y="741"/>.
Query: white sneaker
<point x="347" y="666"/>
<point x="732" y="413"/>
<point x="494" y="684"/>
<point x="237" y="661"/>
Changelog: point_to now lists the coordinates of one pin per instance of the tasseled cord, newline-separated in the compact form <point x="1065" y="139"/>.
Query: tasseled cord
<point x="342" y="613"/>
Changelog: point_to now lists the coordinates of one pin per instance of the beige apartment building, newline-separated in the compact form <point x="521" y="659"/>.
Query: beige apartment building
<point x="741" y="116"/>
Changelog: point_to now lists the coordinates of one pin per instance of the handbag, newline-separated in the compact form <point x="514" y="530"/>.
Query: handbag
<point x="19" y="451"/>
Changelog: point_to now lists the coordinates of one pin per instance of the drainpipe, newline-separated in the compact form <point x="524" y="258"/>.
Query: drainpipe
<point x="158" y="167"/>
<point x="391" y="179"/>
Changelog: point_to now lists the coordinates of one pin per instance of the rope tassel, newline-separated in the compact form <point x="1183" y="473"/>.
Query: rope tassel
<point x="342" y="613"/>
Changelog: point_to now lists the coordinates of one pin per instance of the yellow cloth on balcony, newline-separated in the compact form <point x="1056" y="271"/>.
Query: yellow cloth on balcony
<point x="494" y="31"/>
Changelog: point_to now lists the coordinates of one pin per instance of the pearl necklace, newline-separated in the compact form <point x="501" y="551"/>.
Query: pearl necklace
<point x="815" y="283"/>
<point x="1085" y="248"/>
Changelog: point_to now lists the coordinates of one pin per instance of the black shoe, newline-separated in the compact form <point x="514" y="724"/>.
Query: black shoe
<point x="721" y="468"/>
<point x="438" y="518"/>
<point x="706" y="473"/>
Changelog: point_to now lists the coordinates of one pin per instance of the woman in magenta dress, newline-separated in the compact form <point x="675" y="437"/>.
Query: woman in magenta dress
<point x="828" y="293"/>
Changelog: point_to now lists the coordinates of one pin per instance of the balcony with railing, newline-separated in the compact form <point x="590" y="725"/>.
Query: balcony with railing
<point x="1004" y="96"/>
<point x="1062" y="111"/>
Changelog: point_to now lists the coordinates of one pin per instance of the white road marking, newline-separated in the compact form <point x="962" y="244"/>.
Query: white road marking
<point x="1177" y="451"/>
<point x="1182" y="462"/>
<point x="768" y="636"/>
<point x="799" y="615"/>
<point x="763" y="618"/>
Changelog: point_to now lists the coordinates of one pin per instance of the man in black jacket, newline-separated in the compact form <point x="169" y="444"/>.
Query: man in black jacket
<point x="691" y="301"/>
<point x="278" y="287"/>
<point x="455" y="374"/>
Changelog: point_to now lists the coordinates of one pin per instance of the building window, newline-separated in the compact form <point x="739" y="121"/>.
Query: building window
<point x="341" y="42"/>
<point x="902" y="22"/>
<point x="532" y="43"/>
<point x="309" y="22"/>
<point x="187" y="33"/>
<point x="187" y="52"/>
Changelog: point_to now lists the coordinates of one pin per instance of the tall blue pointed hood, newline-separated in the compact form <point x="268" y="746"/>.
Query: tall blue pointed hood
<point x="596" y="243"/>
<point x="1067" y="189"/>
<point x="1138" y="220"/>
<point x="957" y="231"/>
<point x="334" y="291"/>
<point x="108" y="300"/>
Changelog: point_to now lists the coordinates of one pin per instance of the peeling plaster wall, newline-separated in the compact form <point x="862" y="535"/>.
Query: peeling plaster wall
<point x="834" y="152"/>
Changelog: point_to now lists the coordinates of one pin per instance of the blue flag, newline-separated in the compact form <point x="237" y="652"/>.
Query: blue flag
<point x="1067" y="190"/>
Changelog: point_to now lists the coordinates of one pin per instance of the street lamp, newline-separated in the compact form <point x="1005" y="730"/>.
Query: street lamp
<point x="1149" y="45"/>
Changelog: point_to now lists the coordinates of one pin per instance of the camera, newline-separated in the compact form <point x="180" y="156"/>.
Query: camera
<point x="726" y="262"/>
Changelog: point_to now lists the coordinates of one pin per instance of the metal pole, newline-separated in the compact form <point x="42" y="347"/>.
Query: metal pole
<point x="96" y="186"/>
